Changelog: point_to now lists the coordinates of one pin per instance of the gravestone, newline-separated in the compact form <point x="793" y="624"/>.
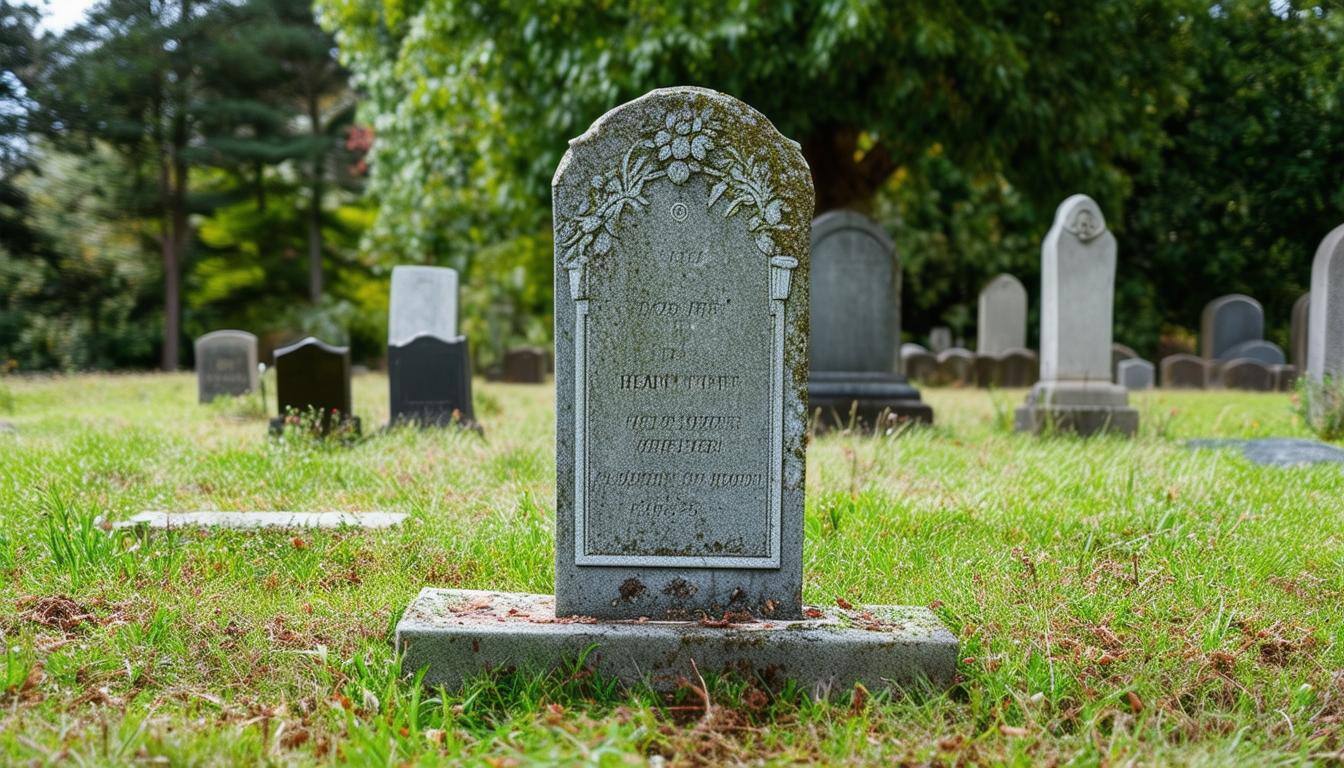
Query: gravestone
<point x="920" y="365"/>
<point x="226" y="364"/>
<point x="988" y="371"/>
<point x="1001" y="317"/>
<point x="940" y="339"/>
<point x="1120" y="352"/>
<point x="423" y="300"/>
<point x="1185" y="372"/>
<point x="1021" y="368"/>
<point x="1277" y="451"/>
<point x="1247" y="374"/>
<point x="1297" y="335"/>
<point x="854" y="371"/>
<point x="525" y="365"/>
<point x="1285" y="377"/>
<point x="1076" y="392"/>
<point x="1135" y="374"/>
<point x="911" y="347"/>
<point x="1325" y="332"/>
<point x="430" y="381"/>
<point x="681" y="307"/>
<point x="956" y="367"/>
<point x="313" y="378"/>
<point x="1228" y="321"/>
<point x="1266" y="352"/>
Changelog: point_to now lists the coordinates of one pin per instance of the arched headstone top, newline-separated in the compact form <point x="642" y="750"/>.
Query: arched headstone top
<point x="844" y="220"/>
<point x="1003" y="281"/>
<point x="1080" y="216"/>
<point x="1325" y="309"/>
<point x="312" y="341"/>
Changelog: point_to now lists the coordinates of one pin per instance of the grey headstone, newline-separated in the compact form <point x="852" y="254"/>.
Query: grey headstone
<point x="226" y="364"/>
<point x="1121" y="352"/>
<point x="429" y="381"/>
<point x="1185" y="372"/>
<point x="1228" y="321"/>
<point x="956" y="367"/>
<point x="1325" y="332"/>
<point x="1001" y="318"/>
<point x="856" y="295"/>
<point x="1247" y="374"/>
<point x="919" y="365"/>
<point x="423" y="301"/>
<point x="912" y="347"/>
<point x="940" y="339"/>
<point x="682" y="247"/>
<point x="1076" y="392"/>
<point x="1301" y="318"/>
<point x="1266" y="352"/>
<point x="1135" y="374"/>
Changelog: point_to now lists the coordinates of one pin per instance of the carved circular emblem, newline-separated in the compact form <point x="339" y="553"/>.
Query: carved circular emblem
<point x="680" y="211"/>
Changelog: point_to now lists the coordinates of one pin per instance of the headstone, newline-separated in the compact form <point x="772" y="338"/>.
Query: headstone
<point x="1184" y="372"/>
<point x="988" y="371"/>
<point x="1135" y="374"/>
<point x="1266" y="352"/>
<point x="1278" y="451"/>
<point x="423" y="300"/>
<point x="909" y="347"/>
<point x="430" y="381"/>
<point x="940" y="339"/>
<point x="313" y="379"/>
<point x="682" y="250"/>
<point x="1020" y="368"/>
<point x="1297" y="334"/>
<point x="1001" y="319"/>
<point x="525" y="365"/>
<point x="1076" y="392"/>
<point x="919" y="365"/>
<point x="956" y="367"/>
<point x="1121" y="352"/>
<point x="1228" y="321"/>
<point x="1247" y="374"/>
<point x="1285" y="377"/>
<point x="1325" y="332"/>
<point x="854" y="372"/>
<point x="226" y="364"/>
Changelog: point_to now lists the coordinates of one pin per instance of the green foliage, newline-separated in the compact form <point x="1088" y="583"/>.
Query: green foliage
<point x="1320" y="405"/>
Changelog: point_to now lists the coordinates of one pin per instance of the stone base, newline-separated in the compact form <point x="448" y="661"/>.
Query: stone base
<point x="1082" y="407"/>
<point x="457" y="634"/>
<point x="864" y="400"/>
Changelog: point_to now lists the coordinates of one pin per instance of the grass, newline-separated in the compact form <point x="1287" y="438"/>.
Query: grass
<point x="1117" y="601"/>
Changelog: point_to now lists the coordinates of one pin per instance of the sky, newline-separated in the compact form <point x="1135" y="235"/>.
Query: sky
<point x="60" y="15"/>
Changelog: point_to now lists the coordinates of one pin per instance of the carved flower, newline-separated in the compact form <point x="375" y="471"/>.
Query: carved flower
<point x="685" y="140"/>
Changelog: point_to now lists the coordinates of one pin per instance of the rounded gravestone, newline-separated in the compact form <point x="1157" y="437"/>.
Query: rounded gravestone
<point x="226" y="364"/>
<point x="1228" y="321"/>
<point x="1325" y="332"/>
<point x="1301" y="318"/>
<point x="1001" y="316"/>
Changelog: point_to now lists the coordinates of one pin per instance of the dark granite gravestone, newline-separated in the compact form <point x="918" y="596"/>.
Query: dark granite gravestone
<point x="921" y="366"/>
<point x="1228" y="321"/>
<point x="1277" y="451"/>
<point x="1020" y="368"/>
<point x="988" y="370"/>
<point x="956" y="367"/>
<point x="226" y="364"/>
<point x="430" y="381"/>
<point x="854" y="369"/>
<point x="1184" y="372"/>
<point x="1301" y="319"/>
<point x="312" y="380"/>
<point x="1266" y="352"/>
<point x="682" y="246"/>
<point x="1247" y="374"/>
<point x="524" y="365"/>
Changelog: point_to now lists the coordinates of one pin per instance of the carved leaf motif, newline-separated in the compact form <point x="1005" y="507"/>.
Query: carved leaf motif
<point x="716" y="193"/>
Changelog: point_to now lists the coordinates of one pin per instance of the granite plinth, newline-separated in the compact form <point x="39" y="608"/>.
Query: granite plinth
<point x="1084" y="408"/>
<point x="864" y="399"/>
<point x="256" y="520"/>
<point x="455" y="635"/>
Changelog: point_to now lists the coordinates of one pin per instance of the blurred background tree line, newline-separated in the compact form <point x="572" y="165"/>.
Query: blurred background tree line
<point x="175" y="166"/>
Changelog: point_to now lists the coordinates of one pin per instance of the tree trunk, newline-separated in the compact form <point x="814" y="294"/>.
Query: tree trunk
<point x="174" y="248"/>
<point x="315" y="208"/>
<point x="843" y="180"/>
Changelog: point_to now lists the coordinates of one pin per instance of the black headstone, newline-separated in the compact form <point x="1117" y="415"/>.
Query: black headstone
<point x="430" y="381"/>
<point x="313" y="376"/>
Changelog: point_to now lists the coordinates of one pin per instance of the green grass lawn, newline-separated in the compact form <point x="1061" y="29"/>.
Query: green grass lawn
<point x="1117" y="600"/>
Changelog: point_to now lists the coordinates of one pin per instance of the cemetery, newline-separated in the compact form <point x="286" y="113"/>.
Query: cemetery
<point x="617" y="419"/>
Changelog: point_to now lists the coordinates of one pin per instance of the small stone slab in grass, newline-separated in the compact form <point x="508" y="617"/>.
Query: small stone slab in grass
<point x="458" y="634"/>
<point x="259" y="520"/>
<point x="1278" y="451"/>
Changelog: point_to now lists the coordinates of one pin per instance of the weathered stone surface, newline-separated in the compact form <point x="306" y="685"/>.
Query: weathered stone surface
<point x="919" y="365"/>
<point x="1325" y="332"/>
<point x="1184" y="372"/>
<point x="525" y="365"/>
<point x="1135" y="374"/>
<point x="988" y="371"/>
<point x="1301" y="319"/>
<point x="1278" y="451"/>
<point x="226" y="364"/>
<point x="1228" y="321"/>
<point x="423" y="300"/>
<point x="1076" y="392"/>
<point x="956" y="367"/>
<point x="1019" y="368"/>
<point x="682" y="250"/>
<point x="1001" y="316"/>
<point x="1266" y="352"/>
<point x="940" y="339"/>
<point x="1285" y="377"/>
<point x="1246" y="374"/>
<point x="260" y="520"/>
<point x="429" y="381"/>
<point x="313" y="376"/>
<point x="455" y="635"/>
<point x="855" y="378"/>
